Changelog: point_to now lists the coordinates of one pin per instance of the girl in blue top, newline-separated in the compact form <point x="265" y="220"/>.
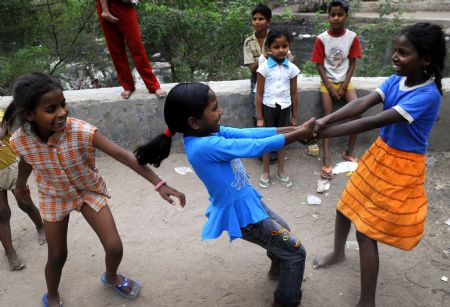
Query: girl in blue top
<point x="385" y="198"/>
<point x="236" y="207"/>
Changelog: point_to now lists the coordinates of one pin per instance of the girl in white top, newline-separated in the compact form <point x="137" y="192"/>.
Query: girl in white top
<point x="276" y="96"/>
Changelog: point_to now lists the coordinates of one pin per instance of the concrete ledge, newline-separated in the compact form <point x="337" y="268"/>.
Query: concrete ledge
<point x="135" y="121"/>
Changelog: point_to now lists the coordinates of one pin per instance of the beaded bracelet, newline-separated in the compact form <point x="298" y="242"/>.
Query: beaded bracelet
<point x="159" y="185"/>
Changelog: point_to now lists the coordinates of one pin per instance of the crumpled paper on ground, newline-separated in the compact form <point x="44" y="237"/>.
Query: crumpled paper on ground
<point x="344" y="167"/>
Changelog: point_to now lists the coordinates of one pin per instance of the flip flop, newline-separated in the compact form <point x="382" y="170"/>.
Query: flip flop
<point x="326" y="172"/>
<point x="45" y="301"/>
<point x="120" y="288"/>
<point x="263" y="182"/>
<point x="349" y="158"/>
<point x="285" y="181"/>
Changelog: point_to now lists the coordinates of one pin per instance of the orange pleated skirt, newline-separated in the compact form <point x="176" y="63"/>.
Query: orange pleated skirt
<point x="385" y="197"/>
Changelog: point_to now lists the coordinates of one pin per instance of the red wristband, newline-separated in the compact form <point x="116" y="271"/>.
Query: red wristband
<point x="159" y="185"/>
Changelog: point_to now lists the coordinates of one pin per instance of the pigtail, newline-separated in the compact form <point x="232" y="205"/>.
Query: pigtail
<point x="155" y="151"/>
<point x="9" y="115"/>
<point x="438" y="80"/>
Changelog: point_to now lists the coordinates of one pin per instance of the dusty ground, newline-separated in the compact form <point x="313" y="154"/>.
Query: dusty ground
<point x="164" y="251"/>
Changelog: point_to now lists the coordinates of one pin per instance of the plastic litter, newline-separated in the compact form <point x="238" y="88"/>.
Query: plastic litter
<point x="344" y="167"/>
<point x="447" y="222"/>
<point x="183" y="170"/>
<point x="313" y="200"/>
<point x="444" y="278"/>
<point x="323" y="185"/>
<point x="352" y="245"/>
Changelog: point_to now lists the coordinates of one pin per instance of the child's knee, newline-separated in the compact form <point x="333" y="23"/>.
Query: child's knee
<point x="58" y="258"/>
<point x="114" y="249"/>
<point x="5" y="214"/>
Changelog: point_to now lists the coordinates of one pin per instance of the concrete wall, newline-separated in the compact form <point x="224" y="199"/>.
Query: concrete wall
<point x="134" y="121"/>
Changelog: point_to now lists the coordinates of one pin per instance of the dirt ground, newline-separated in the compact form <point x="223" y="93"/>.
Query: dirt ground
<point x="162" y="247"/>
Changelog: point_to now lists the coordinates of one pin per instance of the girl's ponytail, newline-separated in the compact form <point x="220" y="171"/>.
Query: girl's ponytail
<point x="185" y="100"/>
<point x="155" y="151"/>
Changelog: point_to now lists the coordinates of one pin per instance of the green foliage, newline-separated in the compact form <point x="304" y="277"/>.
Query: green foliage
<point x="58" y="37"/>
<point x="309" y="69"/>
<point x="201" y="39"/>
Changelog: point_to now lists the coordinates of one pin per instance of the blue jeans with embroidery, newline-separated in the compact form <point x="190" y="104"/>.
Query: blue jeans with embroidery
<point x="273" y="234"/>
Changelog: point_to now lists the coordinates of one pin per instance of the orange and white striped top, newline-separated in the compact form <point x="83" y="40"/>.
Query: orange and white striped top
<point x="64" y="168"/>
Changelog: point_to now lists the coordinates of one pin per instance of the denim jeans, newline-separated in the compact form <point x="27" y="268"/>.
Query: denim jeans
<point x="273" y="234"/>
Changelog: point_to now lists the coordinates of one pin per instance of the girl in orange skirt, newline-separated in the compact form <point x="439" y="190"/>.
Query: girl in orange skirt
<point x="385" y="198"/>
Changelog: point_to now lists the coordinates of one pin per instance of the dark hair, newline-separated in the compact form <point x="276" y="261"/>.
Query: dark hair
<point x="27" y="90"/>
<point x="263" y="10"/>
<point x="342" y="3"/>
<point x="429" y="40"/>
<point x="183" y="101"/>
<point x="277" y="32"/>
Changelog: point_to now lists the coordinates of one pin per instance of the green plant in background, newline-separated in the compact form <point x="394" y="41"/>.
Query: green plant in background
<point x="59" y="37"/>
<point x="201" y="39"/>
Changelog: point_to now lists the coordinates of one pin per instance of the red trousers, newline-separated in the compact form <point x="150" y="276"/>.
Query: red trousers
<point x="126" y="31"/>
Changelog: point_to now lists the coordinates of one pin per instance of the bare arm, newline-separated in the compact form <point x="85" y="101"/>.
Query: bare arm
<point x="21" y="191"/>
<point x="253" y="67"/>
<point x="351" y="109"/>
<point x="294" y="101"/>
<point x="349" y="75"/>
<point x="127" y="158"/>
<point x="327" y="82"/>
<point x="363" y="124"/>
<point x="260" y="82"/>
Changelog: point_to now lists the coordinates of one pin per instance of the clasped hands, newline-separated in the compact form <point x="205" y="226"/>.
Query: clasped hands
<point x="309" y="131"/>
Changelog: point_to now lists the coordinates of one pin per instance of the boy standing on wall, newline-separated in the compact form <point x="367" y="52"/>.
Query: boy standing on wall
<point x="335" y="52"/>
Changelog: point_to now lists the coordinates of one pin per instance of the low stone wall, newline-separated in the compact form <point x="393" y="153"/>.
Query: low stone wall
<point x="134" y="121"/>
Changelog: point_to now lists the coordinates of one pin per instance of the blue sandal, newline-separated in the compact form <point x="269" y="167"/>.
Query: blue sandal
<point x="45" y="301"/>
<point x="125" y="284"/>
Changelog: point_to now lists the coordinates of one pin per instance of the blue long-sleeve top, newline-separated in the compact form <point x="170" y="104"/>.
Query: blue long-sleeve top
<point x="234" y="203"/>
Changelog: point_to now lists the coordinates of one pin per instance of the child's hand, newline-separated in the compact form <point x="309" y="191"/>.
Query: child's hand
<point x="334" y="94"/>
<point x="260" y="123"/>
<point x="110" y="17"/>
<point x="294" y="121"/>
<point x="166" y="191"/>
<point x="341" y="92"/>
<point x="306" y="131"/>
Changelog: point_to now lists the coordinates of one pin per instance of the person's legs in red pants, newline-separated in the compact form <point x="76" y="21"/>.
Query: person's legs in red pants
<point x="116" y="46"/>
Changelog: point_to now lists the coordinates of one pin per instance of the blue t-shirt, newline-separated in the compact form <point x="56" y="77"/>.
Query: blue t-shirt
<point x="234" y="203"/>
<point x="419" y="105"/>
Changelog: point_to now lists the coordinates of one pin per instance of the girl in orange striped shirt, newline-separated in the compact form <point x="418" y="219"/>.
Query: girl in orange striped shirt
<point x="60" y="150"/>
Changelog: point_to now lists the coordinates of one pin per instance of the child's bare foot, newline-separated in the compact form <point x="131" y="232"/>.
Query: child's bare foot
<point x="349" y="156"/>
<point x="160" y="93"/>
<point x="15" y="263"/>
<point x="274" y="272"/>
<point x="328" y="260"/>
<point x="126" y="94"/>
<point x="42" y="239"/>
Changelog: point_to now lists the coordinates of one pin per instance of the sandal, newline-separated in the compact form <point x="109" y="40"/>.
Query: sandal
<point x="285" y="181"/>
<point x="120" y="288"/>
<point x="263" y="182"/>
<point x="45" y="301"/>
<point x="326" y="172"/>
<point x="349" y="158"/>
